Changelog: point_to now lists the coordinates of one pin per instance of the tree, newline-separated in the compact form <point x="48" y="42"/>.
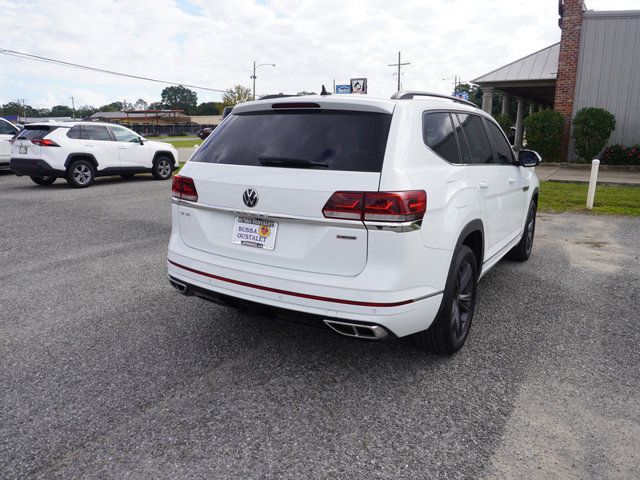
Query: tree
<point x="235" y="95"/>
<point x="592" y="127"/>
<point x="85" y="111"/>
<point x="156" y="106"/>
<point x="475" y="95"/>
<point x="116" y="107"/>
<point x="180" y="98"/>
<point x="12" y="108"/>
<point x="504" y="121"/>
<point x="210" y="108"/>
<point x="140" y="105"/>
<point x="61" y="111"/>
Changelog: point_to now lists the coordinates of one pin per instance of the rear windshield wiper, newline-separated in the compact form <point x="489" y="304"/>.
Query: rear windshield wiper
<point x="290" y="162"/>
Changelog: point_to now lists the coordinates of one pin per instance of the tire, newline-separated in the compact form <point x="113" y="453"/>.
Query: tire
<point x="522" y="251"/>
<point x="162" y="168"/>
<point x="80" y="174"/>
<point x="450" y="329"/>
<point x="43" y="180"/>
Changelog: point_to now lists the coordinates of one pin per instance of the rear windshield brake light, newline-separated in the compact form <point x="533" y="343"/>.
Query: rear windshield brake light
<point x="377" y="206"/>
<point x="296" y="105"/>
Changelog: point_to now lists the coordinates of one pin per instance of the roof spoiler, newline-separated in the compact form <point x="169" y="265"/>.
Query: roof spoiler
<point x="408" y="95"/>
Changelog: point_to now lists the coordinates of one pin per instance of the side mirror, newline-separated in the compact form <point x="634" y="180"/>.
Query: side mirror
<point x="529" y="158"/>
<point x="141" y="140"/>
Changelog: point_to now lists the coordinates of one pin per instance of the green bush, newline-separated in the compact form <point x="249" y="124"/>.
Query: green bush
<point x="504" y="121"/>
<point x="544" y="133"/>
<point x="592" y="127"/>
<point x="621" y="155"/>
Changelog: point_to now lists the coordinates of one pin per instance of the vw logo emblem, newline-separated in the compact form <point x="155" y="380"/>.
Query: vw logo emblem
<point x="250" y="197"/>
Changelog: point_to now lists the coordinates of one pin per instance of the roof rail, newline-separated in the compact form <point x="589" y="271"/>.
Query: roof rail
<point x="408" y="95"/>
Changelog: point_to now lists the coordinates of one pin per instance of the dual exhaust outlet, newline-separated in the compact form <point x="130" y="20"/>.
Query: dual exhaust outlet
<point x="357" y="330"/>
<point x="348" y="329"/>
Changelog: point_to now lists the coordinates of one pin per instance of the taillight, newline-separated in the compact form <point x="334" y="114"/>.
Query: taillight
<point x="395" y="206"/>
<point x="45" y="142"/>
<point x="344" y="205"/>
<point x="377" y="206"/>
<point x="184" y="188"/>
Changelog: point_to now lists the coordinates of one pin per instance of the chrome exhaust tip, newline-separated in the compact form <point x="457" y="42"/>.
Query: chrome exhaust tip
<point x="356" y="330"/>
<point x="179" y="286"/>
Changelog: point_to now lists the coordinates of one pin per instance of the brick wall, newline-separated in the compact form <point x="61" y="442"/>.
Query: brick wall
<point x="571" y="26"/>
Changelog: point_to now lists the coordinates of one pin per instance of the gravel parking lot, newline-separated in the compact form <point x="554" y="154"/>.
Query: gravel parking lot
<point x="107" y="372"/>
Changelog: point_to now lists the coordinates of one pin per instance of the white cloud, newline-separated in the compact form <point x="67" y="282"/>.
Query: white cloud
<point x="213" y="43"/>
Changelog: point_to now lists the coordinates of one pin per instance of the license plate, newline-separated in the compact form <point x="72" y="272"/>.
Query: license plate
<point x="253" y="232"/>
<point x="23" y="149"/>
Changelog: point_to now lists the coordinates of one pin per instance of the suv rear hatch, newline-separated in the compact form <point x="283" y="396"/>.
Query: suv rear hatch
<point x="24" y="146"/>
<point x="288" y="157"/>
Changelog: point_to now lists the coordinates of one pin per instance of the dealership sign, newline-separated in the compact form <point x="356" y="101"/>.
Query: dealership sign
<point x="358" y="85"/>
<point x="343" y="89"/>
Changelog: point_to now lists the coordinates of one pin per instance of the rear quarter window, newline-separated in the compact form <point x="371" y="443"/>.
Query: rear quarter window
<point x="319" y="139"/>
<point x="438" y="135"/>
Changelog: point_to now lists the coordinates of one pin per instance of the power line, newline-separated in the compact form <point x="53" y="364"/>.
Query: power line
<point x="29" y="56"/>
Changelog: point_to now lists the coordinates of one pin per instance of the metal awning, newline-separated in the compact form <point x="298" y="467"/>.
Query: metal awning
<point x="532" y="77"/>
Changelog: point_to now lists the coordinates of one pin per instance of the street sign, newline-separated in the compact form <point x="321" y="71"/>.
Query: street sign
<point x="358" y="85"/>
<point x="462" y="95"/>
<point x="342" y="89"/>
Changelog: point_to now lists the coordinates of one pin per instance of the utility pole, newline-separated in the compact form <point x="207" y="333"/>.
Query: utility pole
<point x="399" y="65"/>
<point x="24" y="111"/>
<point x="253" y="77"/>
<point x="73" y="108"/>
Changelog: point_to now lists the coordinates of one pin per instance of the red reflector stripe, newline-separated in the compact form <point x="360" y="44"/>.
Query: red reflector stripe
<point x="293" y="294"/>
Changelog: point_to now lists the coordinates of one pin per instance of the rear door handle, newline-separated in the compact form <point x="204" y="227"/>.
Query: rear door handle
<point x="483" y="185"/>
<point x="122" y="147"/>
<point x="511" y="180"/>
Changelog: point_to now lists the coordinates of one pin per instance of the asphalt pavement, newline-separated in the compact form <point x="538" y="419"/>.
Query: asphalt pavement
<point x="107" y="372"/>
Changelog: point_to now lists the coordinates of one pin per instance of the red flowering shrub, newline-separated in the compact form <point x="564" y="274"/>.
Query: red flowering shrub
<point x="621" y="155"/>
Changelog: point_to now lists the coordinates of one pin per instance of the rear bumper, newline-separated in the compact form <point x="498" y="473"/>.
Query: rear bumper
<point x="34" y="168"/>
<point x="260" y="309"/>
<point x="401" y="313"/>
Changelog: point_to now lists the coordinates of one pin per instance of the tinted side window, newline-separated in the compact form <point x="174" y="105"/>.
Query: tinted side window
<point x="6" y="129"/>
<point x="479" y="146"/>
<point x="437" y="132"/>
<point x="97" y="132"/>
<point x="501" y="148"/>
<point x="462" y="140"/>
<point x="75" y="132"/>
<point x="124" y="135"/>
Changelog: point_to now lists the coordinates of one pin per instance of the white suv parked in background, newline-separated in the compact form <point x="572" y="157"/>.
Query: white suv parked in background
<point x="373" y="217"/>
<point x="81" y="151"/>
<point x="7" y="132"/>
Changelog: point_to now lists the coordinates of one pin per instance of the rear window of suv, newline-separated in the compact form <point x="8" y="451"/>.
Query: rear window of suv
<point x="319" y="139"/>
<point x="35" y="132"/>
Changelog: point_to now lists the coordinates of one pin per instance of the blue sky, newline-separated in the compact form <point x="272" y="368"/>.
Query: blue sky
<point x="213" y="43"/>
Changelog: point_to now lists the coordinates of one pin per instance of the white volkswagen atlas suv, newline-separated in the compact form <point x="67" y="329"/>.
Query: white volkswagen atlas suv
<point x="373" y="217"/>
<point x="81" y="151"/>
